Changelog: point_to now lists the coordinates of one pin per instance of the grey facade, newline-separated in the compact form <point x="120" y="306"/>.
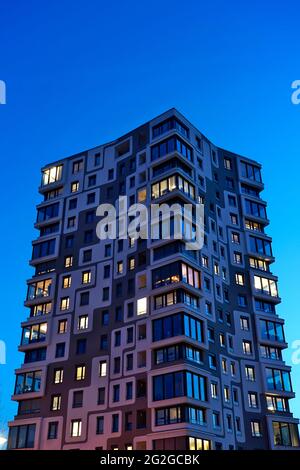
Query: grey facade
<point x="141" y="344"/>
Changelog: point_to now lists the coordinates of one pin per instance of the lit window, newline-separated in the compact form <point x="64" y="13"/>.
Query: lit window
<point x="131" y="263"/>
<point x="62" y="326"/>
<point x="86" y="277"/>
<point x="247" y="347"/>
<point x="80" y="373"/>
<point x="51" y="175"/>
<point x="65" y="303"/>
<point x="83" y="322"/>
<point x="58" y="376"/>
<point x="142" y="195"/>
<point x="74" y="187"/>
<point x="56" y="402"/>
<point x="76" y="427"/>
<point x="255" y="429"/>
<point x="68" y="261"/>
<point x="102" y="368"/>
<point x="66" y="282"/>
<point x="120" y="267"/>
<point x="142" y="306"/>
<point x="239" y="279"/>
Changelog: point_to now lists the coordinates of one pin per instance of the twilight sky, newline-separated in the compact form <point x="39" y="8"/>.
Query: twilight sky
<point x="80" y="73"/>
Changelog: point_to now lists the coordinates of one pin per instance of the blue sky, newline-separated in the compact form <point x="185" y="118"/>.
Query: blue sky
<point x="81" y="73"/>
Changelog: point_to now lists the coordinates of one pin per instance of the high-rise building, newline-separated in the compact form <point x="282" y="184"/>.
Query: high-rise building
<point x="145" y="344"/>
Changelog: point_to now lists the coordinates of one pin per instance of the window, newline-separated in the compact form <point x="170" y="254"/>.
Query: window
<point x="169" y="124"/>
<point x="142" y="195"/>
<point x="254" y="226"/>
<point x="66" y="282"/>
<point x="74" y="186"/>
<point x="91" y="197"/>
<point x="60" y="350"/>
<point x="102" y="368"/>
<point x="247" y="347"/>
<point x="97" y="159"/>
<point x="277" y="403"/>
<point x="42" y="249"/>
<point x="120" y="267"/>
<point x="265" y="286"/>
<point x="117" y="338"/>
<point x="48" y="212"/>
<point x="285" y="434"/>
<point x="129" y="391"/>
<point x="84" y="298"/>
<point x="142" y="306"/>
<point x="175" y="272"/>
<point x="34" y="333"/>
<point x="256" y="263"/>
<point x="81" y="346"/>
<point x="251" y="172"/>
<point x="87" y="256"/>
<point x="177" y="352"/>
<point x="227" y="163"/>
<point x="216" y="419"/>
<point x="55" y="402"/>
<point x="179" y="384"/>
<point x="77" y="166"/>
<point x="21" y="437"/>
<point x="105" y="317"/>
<point x="77" y="399"/>
<point x="116" y="393"/>
<point x="73" y="203"/>
<point x="52" y="430"/>
<point x="71" y="222"/>
<point x="235" y="238"/>
<point x="92" y="180"/>
<point x="80" y="372"/>
<point x="255" y="429"/>
<point x="51" y="175"/>
<point x="86" y="277"/>
<point x="177" y="325"/>
<point x="105" y="294"/>
<point x="68" y="261"/>
<point x="83" y="322"/>
<point x="103" y="342"/>
<point x="196" y="443"/>
<point x="58" y="376"/>
<point x="240" y="279"/>
<point x="41" y="309"/>
<point x="264" y="306"/>
<point x="214" y="390"/>
<point x="170" y="145"/>
<point x="76" y="427"/>
<point x="255" y="209"/>
<point x="244" y="322"/>
<point x="252" y="399"/>
<point x="260" y="245"/>
<point x="242" y="300"/>
<point x="175" y="182"/>
<point x="278" y="379"/>
<point x="271" y="331"/>
<point x="100" y="425"/>
<point x="101" y="396"/>
<point x="250" y="373"/>
<point x="64" y="303"/>
<point x="115" y="423"/>
<point x="232" y="201"/>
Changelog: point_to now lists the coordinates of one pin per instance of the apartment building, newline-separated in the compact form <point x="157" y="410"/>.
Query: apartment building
<point x="144" y="344"/>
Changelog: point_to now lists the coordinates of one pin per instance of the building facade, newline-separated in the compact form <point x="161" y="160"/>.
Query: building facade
<point x="143" y="344"/>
